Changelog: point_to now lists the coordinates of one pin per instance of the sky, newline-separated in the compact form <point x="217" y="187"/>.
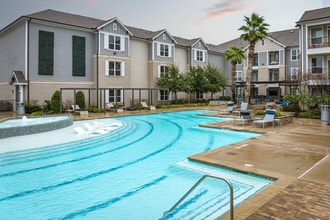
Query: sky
<point x="215" y="21"/>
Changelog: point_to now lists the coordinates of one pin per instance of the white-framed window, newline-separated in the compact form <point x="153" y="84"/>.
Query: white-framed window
<point x="114" y="68"/>
<point x="114" y="26"/>
<point x="199" y="55"/>
<point x="114" y="95"/>
<point x="164" y="50"/>
<point x="164" y="36"/>
<point x="316" y="36"/>
<point x="162" y="70"/>
<point x="274" y="75"/>
<point x="239" y="76"/>
<point x="294" y="73"/>
<point x="114" y="42"/>
<point x="199" y="95"/>
<point x="317" y="64"/>
<point x="294" y="54"/>
<point x="262" y="42"/>
<point x="164" y="95"/>
<point x="254" y="75"/>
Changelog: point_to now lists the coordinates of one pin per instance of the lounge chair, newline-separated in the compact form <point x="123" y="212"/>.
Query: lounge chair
<point x="245" y="117"/>
<point x="268" y="118"/>
<point x="243" y="107"/>
<point x="144" y="105"/>
<point x="77" y="109"/>
<point x="230" y="108"/>
<point x="111" y="107"/>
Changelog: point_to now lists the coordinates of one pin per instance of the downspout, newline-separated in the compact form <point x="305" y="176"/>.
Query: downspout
<point x="27" y="50"/>
<point x="97" y="64"/>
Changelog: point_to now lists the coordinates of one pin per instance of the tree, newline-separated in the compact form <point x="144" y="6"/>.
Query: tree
<point x="255" y="29"/>
<point x="172" y="80"/>
<point x="216" y="79"/>
<point x="55" y="102"/>
<point x="200" y="82"/>
<point x="80" y="99"/>
<point x="235" y="55"/>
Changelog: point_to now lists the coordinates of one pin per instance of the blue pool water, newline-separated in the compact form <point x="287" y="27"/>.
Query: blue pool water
<point x="135" y="172"/>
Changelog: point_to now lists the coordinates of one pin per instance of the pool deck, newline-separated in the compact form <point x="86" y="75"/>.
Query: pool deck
<point x="295" y="154"/>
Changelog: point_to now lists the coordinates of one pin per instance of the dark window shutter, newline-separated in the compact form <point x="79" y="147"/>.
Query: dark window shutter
<point x="78" y="56"/>
<point x="46" y="53"/>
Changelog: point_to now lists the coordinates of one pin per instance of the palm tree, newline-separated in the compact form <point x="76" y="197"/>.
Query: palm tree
<point x="235" y="55"/>
<point x="254" y="30"/>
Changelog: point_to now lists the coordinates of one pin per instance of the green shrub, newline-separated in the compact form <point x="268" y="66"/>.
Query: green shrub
<point x="30" y="108"/>
<point x="259" y="112"/>
<point x="80" y="99"/>
<point x="95" y="110"/>
<point x="225" y="98"/>
<point x="55" y="102"/>
<point x="39" y="113"/>
<point x="314" y="114"/>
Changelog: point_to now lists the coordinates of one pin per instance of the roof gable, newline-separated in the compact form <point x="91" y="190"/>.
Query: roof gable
<point x="118" y="22"/>
<point x="316" y="14"/>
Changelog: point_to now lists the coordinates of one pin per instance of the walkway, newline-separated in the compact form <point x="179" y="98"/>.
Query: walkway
<point x="296" y="154"/>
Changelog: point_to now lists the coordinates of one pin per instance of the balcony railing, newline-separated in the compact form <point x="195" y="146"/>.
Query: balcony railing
<point x="318" y="42"/>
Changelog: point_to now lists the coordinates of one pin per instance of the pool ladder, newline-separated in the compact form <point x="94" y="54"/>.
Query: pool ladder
<point x="199" y="182"/>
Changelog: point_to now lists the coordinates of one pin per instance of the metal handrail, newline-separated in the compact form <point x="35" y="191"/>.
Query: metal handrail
<point x="199" y="182"/>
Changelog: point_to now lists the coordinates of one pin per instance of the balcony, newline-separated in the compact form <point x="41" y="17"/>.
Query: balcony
<point x="317" y="76"/>
<point x="318" y="42"/>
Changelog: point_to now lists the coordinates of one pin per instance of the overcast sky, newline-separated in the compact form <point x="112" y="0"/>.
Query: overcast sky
<point x="215" y="21"/>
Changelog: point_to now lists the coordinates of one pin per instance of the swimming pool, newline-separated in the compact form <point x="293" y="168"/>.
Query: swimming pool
<point x="135" y="172"/>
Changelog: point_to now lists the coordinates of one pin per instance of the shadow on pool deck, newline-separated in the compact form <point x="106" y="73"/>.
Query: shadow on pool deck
<point x="296" y="155"/>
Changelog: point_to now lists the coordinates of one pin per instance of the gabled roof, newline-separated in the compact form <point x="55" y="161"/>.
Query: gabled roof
<point x="17" y="77"/>
<point x="66" y="18"/>
<point x="316" y="14"/>
<point x="285" y="38"/>
<point x="113" y="20"/>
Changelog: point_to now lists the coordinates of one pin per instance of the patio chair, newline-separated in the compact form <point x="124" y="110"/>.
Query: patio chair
<point x="230" y="108"/>
<point x="268" y="118"/>
<point x="144" y="105"/>
<point x="77" y="109"/>
<point x="245" y="117"/>
<point x="243" y="107"/>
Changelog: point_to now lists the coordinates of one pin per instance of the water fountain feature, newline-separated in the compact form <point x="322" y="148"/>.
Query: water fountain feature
<point x="25" y="126"/>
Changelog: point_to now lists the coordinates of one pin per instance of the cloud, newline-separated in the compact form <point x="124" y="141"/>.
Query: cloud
<point x="225" y="7"/>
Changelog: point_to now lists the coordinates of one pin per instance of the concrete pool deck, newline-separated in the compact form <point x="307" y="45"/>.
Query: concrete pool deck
<point x="296" y="155"/>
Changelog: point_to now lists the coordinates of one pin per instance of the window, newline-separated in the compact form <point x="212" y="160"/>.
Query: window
<point x="317" y="65"/>
<point x="273" y="57"/>
<point x="114" y="68"/>
<point x="162" y="70"/>
<point x="114" y="42"/>
<point x="239" y="76"/>
<point x="114" y="95"/>
<point x="255" y="63"/>
<point x="164" y="36"/>
<point x="262" y="42"/>
<point x="294" y="73"/>
<point x="254" y="75"/>
<point x="163" y="50"/>
<point x="316" y="92"/>
<point x="78" y="56"/>
<point x="273" y="75"/>
<point x="316" y="36"/>
<point x="164" y="95"/>
<point x="294" y="54"/>
<point x="199" y="95"/>
<point x="46" y="53"/>
<point x="199" y="55"/>
<point x="114" y="26"/>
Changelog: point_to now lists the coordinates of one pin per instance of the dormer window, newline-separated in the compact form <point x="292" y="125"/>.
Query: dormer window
<point x="199" y="55"/>
<point x="163" y="50"/>
<point x="114" y="42"/>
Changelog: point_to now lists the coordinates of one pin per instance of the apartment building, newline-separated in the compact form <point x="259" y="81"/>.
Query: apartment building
<point x="49" y="50"/>
<point x="275" y="69"/>
<point x="112" y="62"/>
<point x="314" y="41"/>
